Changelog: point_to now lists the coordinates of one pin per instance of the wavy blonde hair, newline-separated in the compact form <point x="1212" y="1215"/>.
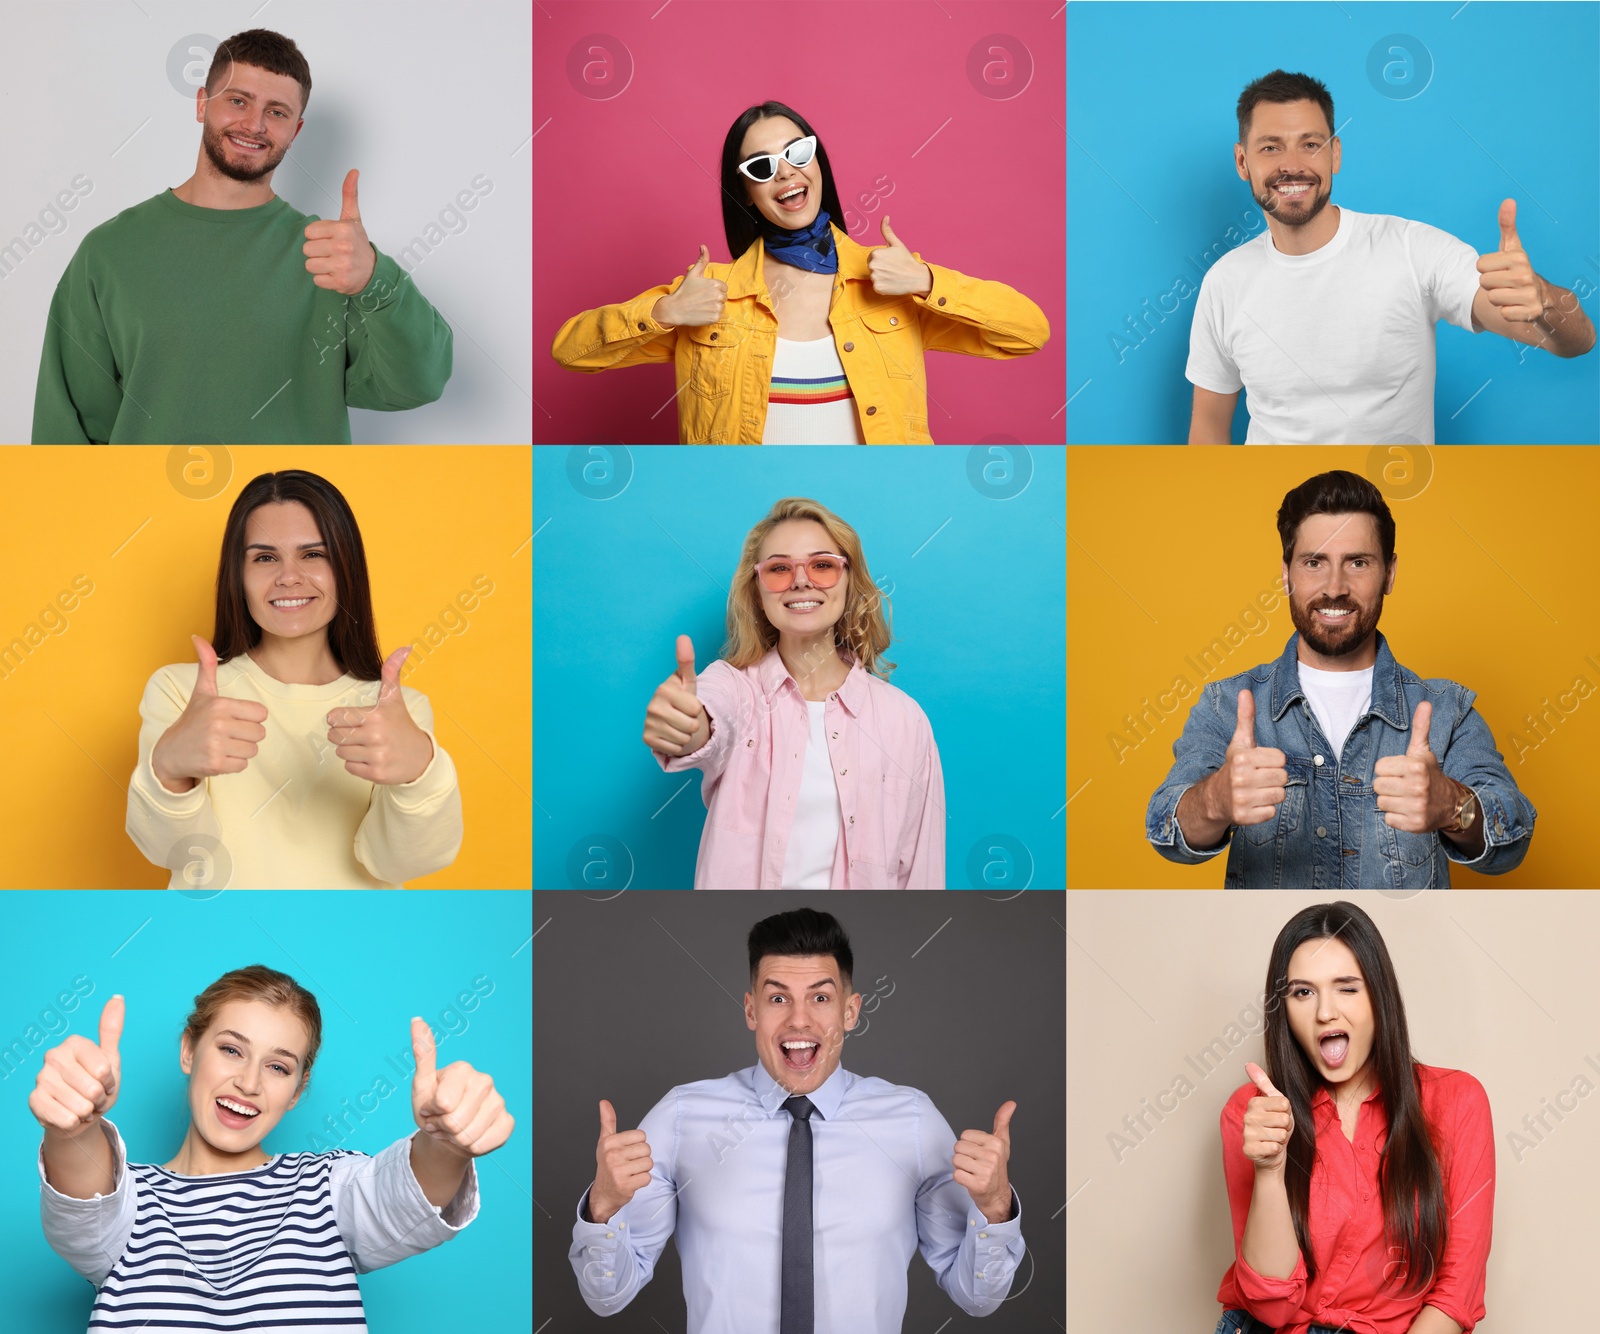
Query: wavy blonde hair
<point x="863" y="629"/>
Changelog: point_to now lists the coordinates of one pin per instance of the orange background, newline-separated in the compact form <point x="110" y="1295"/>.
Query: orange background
<point x="1494" y="588"/>
<point x="137" y="524"/>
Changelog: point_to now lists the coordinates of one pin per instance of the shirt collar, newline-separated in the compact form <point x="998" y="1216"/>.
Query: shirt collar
<point x="771" y="674"/>
<point x="1323" y="1096"/>
<point x="1388" y="688"/>
<point x="826" y="1099"/>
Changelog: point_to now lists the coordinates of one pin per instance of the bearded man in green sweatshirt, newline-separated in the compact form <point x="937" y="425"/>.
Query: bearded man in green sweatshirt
<point x="215" y="313"/>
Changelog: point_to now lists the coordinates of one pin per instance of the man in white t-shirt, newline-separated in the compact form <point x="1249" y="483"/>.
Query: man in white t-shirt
<point x="1327" y="317"/>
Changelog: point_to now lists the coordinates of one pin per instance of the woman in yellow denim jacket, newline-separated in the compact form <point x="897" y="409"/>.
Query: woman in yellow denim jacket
<point x="807" y="337"/>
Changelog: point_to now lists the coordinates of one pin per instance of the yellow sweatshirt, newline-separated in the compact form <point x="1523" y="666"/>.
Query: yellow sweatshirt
<point x="296" y="818"/>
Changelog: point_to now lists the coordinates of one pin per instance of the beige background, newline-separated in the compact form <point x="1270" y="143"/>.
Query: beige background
<point x="1500" y="985"/>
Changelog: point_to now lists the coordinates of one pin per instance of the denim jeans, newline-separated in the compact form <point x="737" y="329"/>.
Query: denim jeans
<point x="1242" y="1322"/>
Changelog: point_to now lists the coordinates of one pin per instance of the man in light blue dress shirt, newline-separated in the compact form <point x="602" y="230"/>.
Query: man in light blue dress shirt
<point x="888" y="1176"/>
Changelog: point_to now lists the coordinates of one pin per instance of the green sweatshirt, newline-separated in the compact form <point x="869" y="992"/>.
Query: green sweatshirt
<point x="175" y="324"/>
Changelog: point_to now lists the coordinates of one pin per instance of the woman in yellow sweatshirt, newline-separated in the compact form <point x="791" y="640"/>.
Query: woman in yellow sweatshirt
<point x="289" y="756"/>
<point x="806" y="338"/>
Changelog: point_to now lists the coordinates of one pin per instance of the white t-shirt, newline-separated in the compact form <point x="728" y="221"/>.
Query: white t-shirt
<point x="809" y="402"/>
<point x="808" y="860"/>
<point x="1338" y="699"/>
<point x="1335" y="347"/>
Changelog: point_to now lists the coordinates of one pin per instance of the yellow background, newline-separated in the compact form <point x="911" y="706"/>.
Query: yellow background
<point x="432" y="521"/>
<point x="1494" y="588"/>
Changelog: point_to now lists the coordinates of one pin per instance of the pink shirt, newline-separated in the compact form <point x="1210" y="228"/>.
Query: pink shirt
<point x="885" y="765"/>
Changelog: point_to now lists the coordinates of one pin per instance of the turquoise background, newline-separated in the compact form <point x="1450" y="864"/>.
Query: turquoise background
<point x="372" y="959"/>
<point x="977" y="589"/>
<point x="1511" y="111"/>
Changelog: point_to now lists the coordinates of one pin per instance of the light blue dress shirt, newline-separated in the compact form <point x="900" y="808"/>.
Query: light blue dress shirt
<point x="882" y="1187"/>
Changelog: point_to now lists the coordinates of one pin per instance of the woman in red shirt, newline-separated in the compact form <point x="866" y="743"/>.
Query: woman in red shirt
<point x="1361" y="1181"/>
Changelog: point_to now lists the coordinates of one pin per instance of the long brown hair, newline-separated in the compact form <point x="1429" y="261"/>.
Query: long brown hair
<point x="863" y="629"/>
<point x="258" y="983"/>
<point x="1414" y="1214"/>
<point x="352" y="635"/>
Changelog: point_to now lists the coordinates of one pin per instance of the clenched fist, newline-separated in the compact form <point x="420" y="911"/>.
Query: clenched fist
<point x="79" y="1080"/>
<point x="338" y="254"/>
<point x="1507" y="277"/>
<point x="1257" y="777"/>
<point x="1413" y="793"/>
<point x="458" y="1107"/>
<point x="1268" y="1123"/>
<point x="214" y="735"/>
<point x="894" y="270"/>
<point x="700" y="300"/>
<point x="622" y="1166"/>
<point x="676" y="722"/>
<point x="979" y="1164"/>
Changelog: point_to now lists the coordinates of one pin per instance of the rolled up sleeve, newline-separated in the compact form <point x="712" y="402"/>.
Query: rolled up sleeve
<point x="1508" y="817"/>
<point x="1197" y="753"/>
<point x="1468" y="1169"/>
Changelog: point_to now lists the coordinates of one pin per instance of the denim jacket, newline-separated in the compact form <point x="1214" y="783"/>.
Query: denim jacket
<point x="1329" y="832"/>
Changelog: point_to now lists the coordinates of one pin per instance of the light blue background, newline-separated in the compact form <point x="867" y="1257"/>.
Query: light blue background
<point x="979" y="627"/>
<point x="1151" y="97"/>
<point x="372" y="960"/>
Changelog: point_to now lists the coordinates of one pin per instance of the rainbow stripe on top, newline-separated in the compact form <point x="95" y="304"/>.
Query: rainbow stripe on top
<point x="798" y="390"/>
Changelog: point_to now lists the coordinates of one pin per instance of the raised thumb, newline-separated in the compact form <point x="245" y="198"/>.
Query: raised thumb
<point x="888" y="235"/>
<point x="608" y="1118"/>
<point x="389" y="681"/>
<point x="1421" y="720"/>
<point x="111" y="1024"/>
<point x="700" y="264"/>
<point x="205" y="682"/>
<point x="686" y="661"/>
<point x="349" y="206"/>
<point x="1244" y="732"/>
<point x="423" y="1051"/>
<point x="1508" y="226"/>
<point x="1258" y="1077"/>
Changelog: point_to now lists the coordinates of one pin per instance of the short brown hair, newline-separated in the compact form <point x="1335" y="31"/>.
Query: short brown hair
<point x="267" y="50"/>
<point x="1337" y="492"/>
<point x="1281" y="86"/>
<point x="258" y="983"/>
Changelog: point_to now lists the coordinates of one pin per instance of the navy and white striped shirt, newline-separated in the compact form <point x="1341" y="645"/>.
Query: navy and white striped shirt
<point x="277" y="1247"/>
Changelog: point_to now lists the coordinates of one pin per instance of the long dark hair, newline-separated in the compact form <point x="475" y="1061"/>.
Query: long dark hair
<point x="741" y="220"/>
<point x="1414" y="1213"/>
<point x="352" y="636"/>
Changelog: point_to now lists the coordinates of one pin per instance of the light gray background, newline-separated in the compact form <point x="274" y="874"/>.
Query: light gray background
<point x="636" y="993"/>
<point x="421" y="97"/>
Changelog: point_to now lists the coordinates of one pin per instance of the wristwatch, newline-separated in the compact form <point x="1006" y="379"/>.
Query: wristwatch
<point x="1466" y="813"/>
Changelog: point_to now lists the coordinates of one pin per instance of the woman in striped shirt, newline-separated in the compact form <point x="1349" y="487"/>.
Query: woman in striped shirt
<point x="225" y="1236"/>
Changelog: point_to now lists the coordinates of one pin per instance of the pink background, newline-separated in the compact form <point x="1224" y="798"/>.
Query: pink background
<point x="620" y="207"/>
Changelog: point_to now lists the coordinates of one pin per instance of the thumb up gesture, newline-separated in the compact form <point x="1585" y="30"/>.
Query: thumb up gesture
<point x="79" y="1080"/>
<point x="339" y="256"/>
<point x="979" y="1164"/>
<point x="699" y="301"/>
<point x="1507" y="278"/>
<point x="1268" y="1123"/>
<point x="1257" y="776"/>
<point x="383" y="743"/>
<point x="1412" y="790"/>
<point x="458" y="1108"/>
<point x="894" y="270"/>
<point x="214" y="735"/>
<point x="676" y="722"/>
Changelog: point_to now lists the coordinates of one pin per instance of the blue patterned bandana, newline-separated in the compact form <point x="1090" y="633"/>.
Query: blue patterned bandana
<point x="810" y="248"/>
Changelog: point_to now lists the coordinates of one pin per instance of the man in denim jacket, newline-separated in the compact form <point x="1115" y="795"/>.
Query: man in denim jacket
<point x="1338" y="767"/>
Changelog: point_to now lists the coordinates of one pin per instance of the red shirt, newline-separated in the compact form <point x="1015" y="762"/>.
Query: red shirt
<point x="1347" y="1215"/>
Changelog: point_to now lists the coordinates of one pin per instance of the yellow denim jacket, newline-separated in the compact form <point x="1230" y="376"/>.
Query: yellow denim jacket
<point x="725" y="369"/>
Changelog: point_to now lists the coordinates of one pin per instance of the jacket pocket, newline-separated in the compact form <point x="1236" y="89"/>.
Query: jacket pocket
<point x="713" y="359"/>
<point x="1291" y="814"/>
<point x="895" y="335"/>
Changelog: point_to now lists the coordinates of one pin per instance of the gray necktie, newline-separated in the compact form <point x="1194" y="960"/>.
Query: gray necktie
<point x="799" y="1289"/>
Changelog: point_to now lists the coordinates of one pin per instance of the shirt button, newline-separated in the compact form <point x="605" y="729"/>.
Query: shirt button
<point x="894" y="319"/>
<point x="641" y="324"/>
<point x="982" y="1236"/>
<point x="835" y="736"/>
<point x="941" y="301"/>
<point x="713" y="338"/>
<point x="1317" y="760"/>
<point x="980" y="1273"/>
<point x="849" y="347"/>
<point x="609" y="1274"/>
<point x="972" y="1222"/>
<point x="870" y="411"/>
<point x="609" y="1235"/>
<point x="1321" y="832"/>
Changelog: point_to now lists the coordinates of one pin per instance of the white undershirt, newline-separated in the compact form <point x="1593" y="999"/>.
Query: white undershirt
<point x="804" y="369"/>
<point x="808" y="863"/>
<point x="1338" y="699"/>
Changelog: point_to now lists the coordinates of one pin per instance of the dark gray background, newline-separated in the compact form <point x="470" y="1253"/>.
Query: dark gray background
<point x="636" y="993"/>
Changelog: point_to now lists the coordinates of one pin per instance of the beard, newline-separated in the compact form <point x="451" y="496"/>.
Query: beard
<point x="1338" y="640"/>
<point x="238" y="168"/>
<point x="1292" y="214"/>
